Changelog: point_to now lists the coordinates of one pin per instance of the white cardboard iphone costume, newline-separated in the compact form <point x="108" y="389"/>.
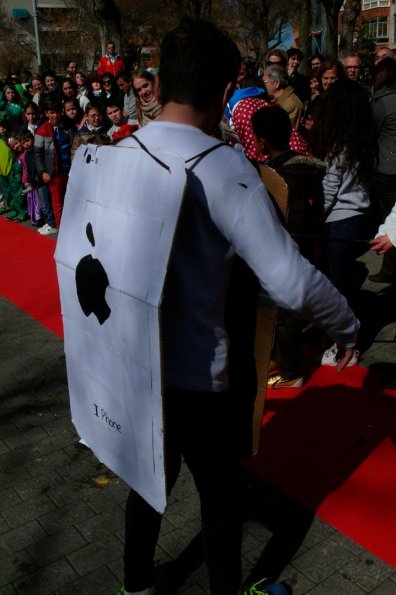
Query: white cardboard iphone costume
<point x="112" y="254"/>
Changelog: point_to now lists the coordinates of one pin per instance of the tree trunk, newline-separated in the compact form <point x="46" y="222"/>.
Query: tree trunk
<point x="202" y="8"/>
<point x="109" y="20"/>
<point x="261" y="48"/>
<point x="352" y="10"/>
<point x="332" y="9"/>
<point x="305" y="29"/>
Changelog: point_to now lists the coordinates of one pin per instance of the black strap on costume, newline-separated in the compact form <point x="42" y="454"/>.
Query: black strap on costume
<point x="200" y="156"/>
<point x="145" y="149"/>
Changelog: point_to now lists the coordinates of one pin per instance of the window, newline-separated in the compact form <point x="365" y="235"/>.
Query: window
<point x="374" y="3"/>
<point x="377" y="29"/>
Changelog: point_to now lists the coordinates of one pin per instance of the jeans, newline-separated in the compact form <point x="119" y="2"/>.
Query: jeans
<point x="44" y="199"/>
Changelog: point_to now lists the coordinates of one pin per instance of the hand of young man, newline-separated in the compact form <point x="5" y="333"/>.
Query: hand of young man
<point x="381" y="245"/>
<point x="345" y="355"/>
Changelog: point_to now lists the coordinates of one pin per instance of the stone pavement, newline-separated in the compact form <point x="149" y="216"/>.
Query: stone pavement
<point x="61" y="511"/>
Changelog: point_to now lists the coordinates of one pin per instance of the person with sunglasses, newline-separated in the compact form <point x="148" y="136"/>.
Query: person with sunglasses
<point x="111" y="89"/>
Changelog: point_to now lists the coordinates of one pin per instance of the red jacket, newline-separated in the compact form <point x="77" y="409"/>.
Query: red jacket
<point x="106" y="65"/>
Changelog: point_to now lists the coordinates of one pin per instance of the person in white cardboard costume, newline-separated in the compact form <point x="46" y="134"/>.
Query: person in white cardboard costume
<point x="226" y="212"/>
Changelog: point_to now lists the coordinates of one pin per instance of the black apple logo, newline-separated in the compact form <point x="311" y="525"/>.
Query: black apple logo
<point x="91" y="283"/>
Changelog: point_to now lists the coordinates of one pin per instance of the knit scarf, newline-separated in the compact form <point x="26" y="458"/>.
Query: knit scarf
<point x="148" y="111"/>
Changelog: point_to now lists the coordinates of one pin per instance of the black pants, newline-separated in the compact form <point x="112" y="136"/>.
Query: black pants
<point x="198" y="427"/>
<point x="288" y="344"/>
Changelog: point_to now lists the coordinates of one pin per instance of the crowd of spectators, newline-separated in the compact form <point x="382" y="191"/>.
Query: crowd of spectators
<point x="330" y="135"/>
<point x="45" y="117"/>
<point x="333" y="142"/>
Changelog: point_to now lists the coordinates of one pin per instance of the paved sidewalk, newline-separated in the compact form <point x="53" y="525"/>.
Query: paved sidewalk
<point x="61" y="511"/>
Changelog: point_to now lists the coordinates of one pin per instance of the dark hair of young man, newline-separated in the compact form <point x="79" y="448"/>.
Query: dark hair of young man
<point x="295" y="52"/>
<point x="113" y="103"/>
<point x="273" y="125"/>
<point x="53" y="105"/>
<point x="94" y="105"/>
<point x="25" y="135"/>
<point x="123" y="75"/>
<point x="197" y="62"/>
<point x="51" y="73"/>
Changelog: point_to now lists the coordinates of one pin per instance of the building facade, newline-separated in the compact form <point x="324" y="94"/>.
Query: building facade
<point x="378" y="22"/>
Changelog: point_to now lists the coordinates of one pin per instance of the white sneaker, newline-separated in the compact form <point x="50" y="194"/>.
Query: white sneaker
<point x="49" y="231"/>
<point x="43" y="228"/>
<point x="329" y="358"/>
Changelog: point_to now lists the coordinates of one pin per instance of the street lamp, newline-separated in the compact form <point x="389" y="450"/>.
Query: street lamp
<point x="37" y="35"/>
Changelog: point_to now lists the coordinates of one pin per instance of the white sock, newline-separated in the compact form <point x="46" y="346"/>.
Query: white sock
<point x="144" y="592"/>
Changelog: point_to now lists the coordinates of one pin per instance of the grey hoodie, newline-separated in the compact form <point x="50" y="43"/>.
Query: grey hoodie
<point x="344" y="195"/>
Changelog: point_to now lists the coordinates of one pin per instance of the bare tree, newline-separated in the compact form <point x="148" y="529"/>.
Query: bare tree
<point x="109" y="20"/>
<point x="17" y="47"/>
<point x="145" y="23"/>
<point x="332" y="9"/>
<point x="262" y="23"/>
<point x="68" y="33"/>
<point x="305" y="29"/>
<point x="195" y="8"/>
<point x="349" y="18"/>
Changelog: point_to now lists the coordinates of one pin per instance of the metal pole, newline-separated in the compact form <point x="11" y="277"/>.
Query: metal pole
<point x="37" y="35"/>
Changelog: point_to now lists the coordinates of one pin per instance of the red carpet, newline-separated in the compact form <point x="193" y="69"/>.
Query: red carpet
<point x="332" y="450"/>
<point x="28" y="275"/>
<point x="331" y="446"/>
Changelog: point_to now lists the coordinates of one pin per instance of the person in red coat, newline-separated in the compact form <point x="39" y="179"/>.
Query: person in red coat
<point x="111" y="62"/>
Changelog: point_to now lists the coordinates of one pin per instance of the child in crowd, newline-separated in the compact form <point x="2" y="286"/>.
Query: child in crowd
<point x="73" y="115"/>
<point x="95" y="120"/>
<point x="52" y="146"/>
<point x="303" y="176"/>
<point x="12" y="184"/>
<point x="82" y="85"/>
<point x="33" y="120"/>
<point x="5" y="164"/>
<point x="29" y="177"/>
<point x="97" y="92"/>
<point x="10" y="105"/>
<point x="31" y="117"/>
<point x="119" y="121"/>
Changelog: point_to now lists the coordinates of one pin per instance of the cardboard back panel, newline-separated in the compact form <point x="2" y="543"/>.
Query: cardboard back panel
<point x="112" y="257"/>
